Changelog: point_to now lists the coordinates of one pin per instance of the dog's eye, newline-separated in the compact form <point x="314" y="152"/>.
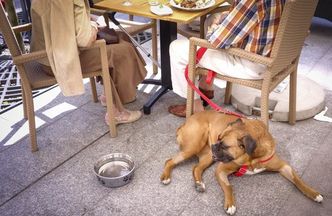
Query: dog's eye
<point x="240" y="142"/>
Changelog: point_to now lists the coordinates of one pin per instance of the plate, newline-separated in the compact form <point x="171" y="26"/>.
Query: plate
<point x="207" y="5"/>
<point x="161" y="11"/>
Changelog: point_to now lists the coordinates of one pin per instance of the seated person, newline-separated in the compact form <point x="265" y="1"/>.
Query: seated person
<point x="250" y="25"/>
<point x="60" y="27"/>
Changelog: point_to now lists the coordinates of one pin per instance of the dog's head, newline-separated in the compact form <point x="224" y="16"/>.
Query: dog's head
<point x="239" y="138"/>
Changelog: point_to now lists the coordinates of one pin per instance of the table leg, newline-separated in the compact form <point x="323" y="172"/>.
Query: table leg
<point x="168" y="31"/>
<point x="26" y="5"/>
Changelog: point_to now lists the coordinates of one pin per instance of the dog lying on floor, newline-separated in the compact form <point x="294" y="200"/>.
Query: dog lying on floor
<point x="243" y="146"/>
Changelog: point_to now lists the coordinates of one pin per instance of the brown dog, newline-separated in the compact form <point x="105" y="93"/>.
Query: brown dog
<point x="238" y="144"/>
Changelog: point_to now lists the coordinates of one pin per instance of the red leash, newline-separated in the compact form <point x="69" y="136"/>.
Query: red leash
<point x="199" y="54"/>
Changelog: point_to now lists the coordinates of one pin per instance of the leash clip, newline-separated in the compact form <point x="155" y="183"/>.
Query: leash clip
<point x="210" y="77"/>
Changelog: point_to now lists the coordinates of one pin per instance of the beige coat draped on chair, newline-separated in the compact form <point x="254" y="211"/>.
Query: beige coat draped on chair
<point x="58" y="37"/>
<point x="66" y="29"/>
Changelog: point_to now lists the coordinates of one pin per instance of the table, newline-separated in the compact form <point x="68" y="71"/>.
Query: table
<point x="168" y="32"/>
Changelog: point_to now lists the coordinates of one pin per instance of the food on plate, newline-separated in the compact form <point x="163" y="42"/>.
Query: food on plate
<point x="192" y="3"/>
<point x="178" y="1"/>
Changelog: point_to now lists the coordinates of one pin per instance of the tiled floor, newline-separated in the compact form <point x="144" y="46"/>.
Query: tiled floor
<point x="58" y="179"/>
<point x="316" y="57"/>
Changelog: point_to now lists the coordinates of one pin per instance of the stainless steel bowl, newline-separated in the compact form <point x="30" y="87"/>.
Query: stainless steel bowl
<point x="114" y="170"/>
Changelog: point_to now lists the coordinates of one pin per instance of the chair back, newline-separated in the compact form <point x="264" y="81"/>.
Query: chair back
<point x="8" y="34"/>
<point x="294" y="24"/>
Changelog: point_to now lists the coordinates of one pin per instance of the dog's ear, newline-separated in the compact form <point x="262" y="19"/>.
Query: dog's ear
<point x="237" y="121"/>
<point x="249" y="144"/>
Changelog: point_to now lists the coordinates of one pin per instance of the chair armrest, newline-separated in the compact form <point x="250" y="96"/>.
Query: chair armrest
<point x="24" y="58"/>
<point x="201" y="42"/>
<point x="22" y="28"/>
<point x="250" y="56"/>
<point x="97" y="44"/>
<point x="234" y="51"/>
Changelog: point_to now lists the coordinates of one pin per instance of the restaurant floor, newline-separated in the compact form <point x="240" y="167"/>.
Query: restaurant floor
<point x="72" y="135"/>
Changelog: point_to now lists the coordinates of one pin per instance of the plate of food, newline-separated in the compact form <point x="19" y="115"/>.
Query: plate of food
<point x="192" y="5"/>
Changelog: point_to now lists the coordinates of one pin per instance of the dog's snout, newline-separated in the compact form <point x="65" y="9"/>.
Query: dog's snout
<point x="219" y="146"/>
<point x="224" y="146"/>
<point x="215" y="147"/>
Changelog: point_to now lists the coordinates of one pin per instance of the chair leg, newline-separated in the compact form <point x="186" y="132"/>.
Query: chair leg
<point x="25" y="115"/>
<point x="265" y="92"/>
<point x="111" y="120"/>
<point x="292" y="98"/>
<point x="192" y="76"/>
<point x="190" y="99"/>
<point x="108" y="91"/>
<point x="31" y="120"/>
<point x="93" y="89"/>
<point x="154" y="45"/>
<point x="109" y="104"/>
<point x="228" y="93"/>
<point x="265" y="108"/>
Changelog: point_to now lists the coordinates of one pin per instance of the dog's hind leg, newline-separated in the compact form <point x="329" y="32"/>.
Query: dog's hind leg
<point x="291" y="175"/>
<point x="205" y="160"/>
<point x="288" y="172"/>
<point x="165" y="177"/>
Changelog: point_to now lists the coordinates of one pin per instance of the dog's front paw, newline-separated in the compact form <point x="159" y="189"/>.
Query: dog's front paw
<point x="200" y="186"/>
<point x="165" y="179"/>
<point x="319" y="198"/>
<point x="231" y="210"/>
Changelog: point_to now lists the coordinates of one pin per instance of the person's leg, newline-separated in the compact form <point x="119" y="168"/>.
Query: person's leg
<point x="90" y="61"/>
<point x="124" y="116"/>
<point x="225" y="64"/>
<point x="128" y="68"/>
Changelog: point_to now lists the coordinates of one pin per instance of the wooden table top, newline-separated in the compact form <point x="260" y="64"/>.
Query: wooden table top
<point x="142" y="8"/>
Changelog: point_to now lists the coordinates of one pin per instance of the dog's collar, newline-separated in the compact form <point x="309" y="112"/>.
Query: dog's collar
<point x="243" y="169"/>
<point x="266" y="160"/>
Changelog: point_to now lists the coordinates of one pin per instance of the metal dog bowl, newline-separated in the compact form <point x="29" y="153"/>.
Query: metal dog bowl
<point x="114" y="170"/>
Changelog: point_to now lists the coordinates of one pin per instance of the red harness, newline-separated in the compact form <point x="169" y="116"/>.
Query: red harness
<point x="243" y="169"/>
<point x="211" y="74"/>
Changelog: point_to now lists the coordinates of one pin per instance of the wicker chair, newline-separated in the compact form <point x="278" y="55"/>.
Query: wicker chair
<point x="293" y="29"/>
<point x="33" y="77"/>
<point x="133" y="28"/>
